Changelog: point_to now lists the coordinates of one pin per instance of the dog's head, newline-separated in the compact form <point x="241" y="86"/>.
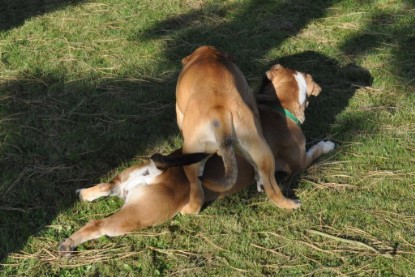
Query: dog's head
<point x="205" y="51"/>
<point x="292" y="88"/>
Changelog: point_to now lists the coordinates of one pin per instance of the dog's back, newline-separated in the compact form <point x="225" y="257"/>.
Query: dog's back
<point x="216" y="111"/>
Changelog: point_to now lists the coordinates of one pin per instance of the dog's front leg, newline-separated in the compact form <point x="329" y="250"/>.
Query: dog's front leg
<point x="95" y="192"/>
<point x="120" y="223"/>
<point x="316" y="151"/>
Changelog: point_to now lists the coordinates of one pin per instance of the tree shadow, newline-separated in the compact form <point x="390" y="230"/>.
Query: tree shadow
<point x="14" y="13"/>
<point x="246" y="30"/>
<point x="386" y="33"/>
<point x="58" y="136"/>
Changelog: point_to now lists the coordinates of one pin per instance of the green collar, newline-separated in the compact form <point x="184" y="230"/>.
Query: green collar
<point x="285" y="112"/>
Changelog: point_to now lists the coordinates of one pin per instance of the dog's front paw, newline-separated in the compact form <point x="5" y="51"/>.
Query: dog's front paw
<point x="327" y="146"/>
<point x="66" y="247"/>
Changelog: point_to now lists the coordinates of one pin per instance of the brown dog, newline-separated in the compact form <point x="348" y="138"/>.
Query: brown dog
<point x="154" y="193"/>
<point x="281" y="119"/>
<point x="215" y="112"/>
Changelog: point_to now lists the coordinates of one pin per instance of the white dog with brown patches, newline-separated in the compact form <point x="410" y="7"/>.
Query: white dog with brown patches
<point x="158" y="190"/>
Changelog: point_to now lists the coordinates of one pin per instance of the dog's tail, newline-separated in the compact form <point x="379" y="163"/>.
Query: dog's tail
<point x="222" y="125"/>
<point x="164" y="162"/>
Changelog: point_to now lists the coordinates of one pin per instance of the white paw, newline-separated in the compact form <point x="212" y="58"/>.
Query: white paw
<point x="327" y="146"/>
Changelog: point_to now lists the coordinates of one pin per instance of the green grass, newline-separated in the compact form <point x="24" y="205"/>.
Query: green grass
<point x="87" y="88"/>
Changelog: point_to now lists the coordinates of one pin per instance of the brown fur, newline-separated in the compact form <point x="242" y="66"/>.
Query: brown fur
<point x="288" y="144"/>
<point x="216" y="110"/>
<point x="169" y="192"/>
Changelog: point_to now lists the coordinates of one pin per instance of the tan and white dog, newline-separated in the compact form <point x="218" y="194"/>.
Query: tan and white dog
<point x="153" y="192"/>
<point x="216" y="111"/>
<point x="285" y="113"/>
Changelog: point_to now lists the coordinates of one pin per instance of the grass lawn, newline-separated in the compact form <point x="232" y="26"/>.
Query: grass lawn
<point x="87" y="88"/>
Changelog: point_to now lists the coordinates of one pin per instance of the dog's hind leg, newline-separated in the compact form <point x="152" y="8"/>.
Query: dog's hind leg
<point x="193" y="171"/>
<point x="257" y="151"/>
<point x="264" y="163"/>
<point x="179" y="117"/>
<point x="196" y="196"/>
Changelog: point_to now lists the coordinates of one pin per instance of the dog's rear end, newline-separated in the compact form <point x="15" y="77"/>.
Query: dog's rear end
<point x="216" y="110"/>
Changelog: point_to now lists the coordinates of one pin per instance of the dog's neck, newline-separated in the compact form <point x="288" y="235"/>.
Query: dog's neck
<point x="285" y="112"/>
<point x="267" y="96"/>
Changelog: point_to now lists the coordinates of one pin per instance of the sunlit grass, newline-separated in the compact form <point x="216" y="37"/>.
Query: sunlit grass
<point x="87" y="89"/>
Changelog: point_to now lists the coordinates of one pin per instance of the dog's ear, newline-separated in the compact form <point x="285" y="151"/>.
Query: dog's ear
<point x="312" y="87"/>
<point x="273" y="70"/>
<point x="186" y="59"/>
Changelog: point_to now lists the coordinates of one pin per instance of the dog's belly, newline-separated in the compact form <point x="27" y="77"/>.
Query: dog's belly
<point x="137" y="179"/>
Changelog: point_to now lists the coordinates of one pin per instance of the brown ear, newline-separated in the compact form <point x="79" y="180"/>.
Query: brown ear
<point x="316" y="89"/>
<point x="312" y="87"/>
<point x="185" y="60"/>
<point x="271" y="73"/>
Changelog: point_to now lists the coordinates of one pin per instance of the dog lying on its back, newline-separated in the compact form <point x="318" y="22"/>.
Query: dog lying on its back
<point x="158" y="190"/>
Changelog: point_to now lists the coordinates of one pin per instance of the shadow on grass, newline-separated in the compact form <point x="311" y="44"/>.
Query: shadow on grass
<point x="247" y="30"/>
<point x="57" y="137"/>
<point x="13" y="13"/>
<point x="388" y="33"/>
<point x="254" y="29"/>
<point x="60" y="136"/>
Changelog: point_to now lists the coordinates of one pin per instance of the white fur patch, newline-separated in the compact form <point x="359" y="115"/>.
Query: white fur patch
<point x="327" y="146"/>
<point x="323" y="146"/>
<point x="259" y="182"/>
<point x="302" y="87"/>
<point x="260" y="186"/>
<point x="143" y="176"/>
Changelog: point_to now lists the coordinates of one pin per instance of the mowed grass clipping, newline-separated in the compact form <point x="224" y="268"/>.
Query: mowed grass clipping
<point x="87" y="88"/>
